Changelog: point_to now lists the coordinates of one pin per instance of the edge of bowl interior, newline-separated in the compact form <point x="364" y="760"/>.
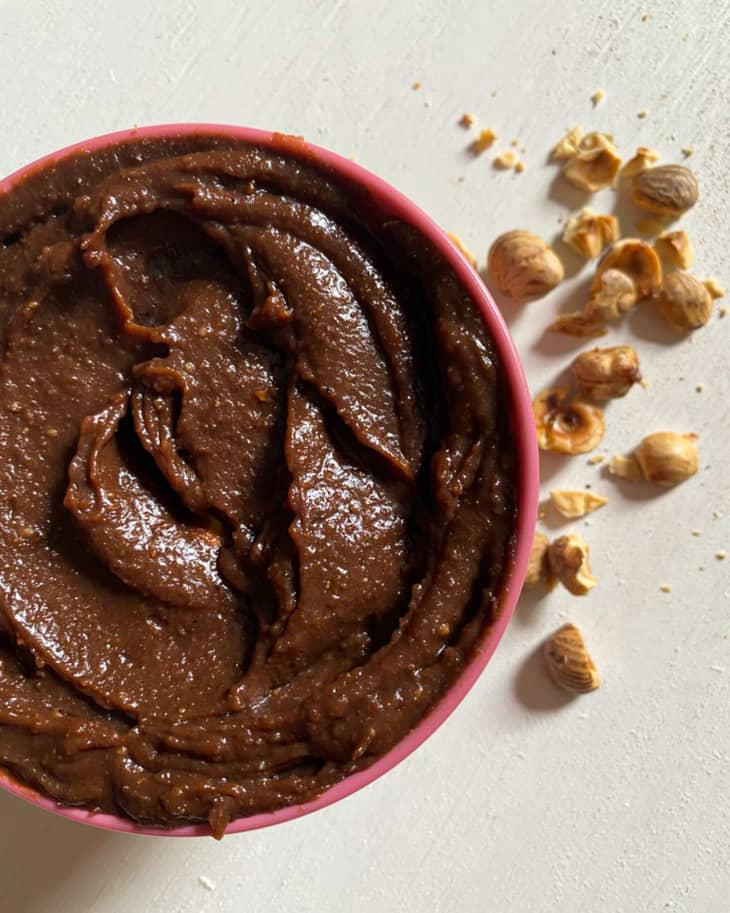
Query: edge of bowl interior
<point x="393" y="201"/>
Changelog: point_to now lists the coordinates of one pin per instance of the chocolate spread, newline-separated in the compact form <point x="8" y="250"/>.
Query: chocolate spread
<point x="257" y="487"/>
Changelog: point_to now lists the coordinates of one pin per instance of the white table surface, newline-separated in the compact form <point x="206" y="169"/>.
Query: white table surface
<point x="617" y="802"/>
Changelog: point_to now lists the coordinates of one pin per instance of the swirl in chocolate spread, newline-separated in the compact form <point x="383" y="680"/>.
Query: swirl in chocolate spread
<point x="257" y="498"/>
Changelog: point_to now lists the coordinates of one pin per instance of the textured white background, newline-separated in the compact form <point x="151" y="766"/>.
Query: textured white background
<point x="618" y="802"/>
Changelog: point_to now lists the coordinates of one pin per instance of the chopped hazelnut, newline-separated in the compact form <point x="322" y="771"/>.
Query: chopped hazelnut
<point x="578" y="324"/>
<point x="595" y="164"/>
<point x="665" y="190"/>
<point x="520" y="167"/>
<point x="566" y="426"/>
<point x="574" y="504"/>
<point x="506" y="160"/>
<point x="612" y="294"/>
<point x="643" y="159"/>
<point x="667" y="458"/>
<point x="638" y="260"/>
<point x="674" y="247"/>
<point x="537" y="566"/>
<point x="685" y="302"/>
<point x="714" y="288"/>
<point x="597" y="97"/>
<point x="588" y="233"/>
<point x="568" y="560"/>
<point x="523" y="266"/>
<point x="467" y="120"/>
<point x="461" y="247"/>
<point x="569" y="663"/>
<point x="484" y="140"/>
<point x="626" y="467"/>
<point x="567" y="147"/>
<point x="606" y="373"/>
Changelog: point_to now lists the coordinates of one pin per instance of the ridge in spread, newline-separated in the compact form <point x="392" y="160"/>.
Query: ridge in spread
<point x="257" y="498"/>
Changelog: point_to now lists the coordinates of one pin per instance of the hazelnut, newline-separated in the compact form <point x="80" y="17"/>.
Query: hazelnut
<point x="569" y="663"/>
<point x="685" y="302"/>
<point x="665" y="190"/>
<point x="588" y="233"/>
<point x="643" y="159"/>
<point x="638" y="260"/>
<point x="595" y="164"/>
<point x="566" y="426"/>
<point x="667" y="458"/>
<point x="674" y="247"/>
<point x="606" y="373"/>
<point x="537" y="566"/>
<point x="568" y="561"/>
<point x="567" y="147"/>
<point x="574" y="504"/>
<point x="578" y="324"/>
<point x="523" y="265"/>
<point x="612" y="294"/>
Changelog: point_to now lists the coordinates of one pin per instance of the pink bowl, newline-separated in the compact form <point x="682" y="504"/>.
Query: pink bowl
<point x="395" y="203"/>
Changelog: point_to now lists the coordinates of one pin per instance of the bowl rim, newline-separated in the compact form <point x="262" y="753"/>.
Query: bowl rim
<point x="396" y="203"/>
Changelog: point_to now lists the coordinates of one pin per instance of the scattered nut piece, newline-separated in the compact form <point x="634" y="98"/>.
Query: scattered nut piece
<point x="685" y="302"/>
<point x="567" y="147"/>
<point x="606" y="373"/>
<point x="574" y="504"/>
<point x="721" y="555"/>
<point x="626" y="467"/>
<point x="674" y="247"/>
<point x="416" y="86"/>
<point x="457" y="242"/>
<point x="467" y="120"/>
<point x="596" y="459"/>
<point x="612" y="294"/>
<point x="569" y="663"/>
<point x="566" y="426"/>
<point x="595" y="164"/>
<point x="578" y="324"/>
<point x="485" y="139"/>
<point x="666" y="588"/>
<point x="714" y="288"/>
<point x="642" y="114"/>
<point x="696" y="532"/>
<point x="523" y="266"/>
<point x="665" y="190"/>
<point x="687" y="152"/>
<point x="520" y="167"/>
<point x="638" y="260"/>
<point x="568" y="560"/>
<point x="588" y="233"/>
<point x="723" y="312"/>
<point x="537" y="566"/>
<point x="514" y="142"/>
<point x="506" y="160"/>
<point x="644" y="158"/>
<point x="667" y="458"/>
<point x="597" y="97"/>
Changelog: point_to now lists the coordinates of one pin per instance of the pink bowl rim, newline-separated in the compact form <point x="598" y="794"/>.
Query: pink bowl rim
<point x="523" y="429"/>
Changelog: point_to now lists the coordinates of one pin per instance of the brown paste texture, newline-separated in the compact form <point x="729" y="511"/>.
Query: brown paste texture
<point x="257" y="487"/>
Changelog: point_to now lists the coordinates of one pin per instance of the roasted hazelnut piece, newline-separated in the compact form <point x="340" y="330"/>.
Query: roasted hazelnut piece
<point x="569" y="663"/>
<point x="675" y="248"/>
<point x="523" y="266"/>
<point x="606" y="373"/>
<point x="612" y="294"/>
<point x="567" y="147"/>
<point x="588" y="233"/>
<point x="595" y="164"/>
<point x="574" y="504"/>
<point x="537" y="566"/>
<point x="685" y="302"/>
<point x="568" y="560"/>
<point x="643" y="159"/>
<point x="578" y="324"/>
<point x="667" y="458"/>
<point x="566" y="426"/>
<point x="665" y="190"/>
<point x="462" y="248"/>
<point x="638" y="260"/>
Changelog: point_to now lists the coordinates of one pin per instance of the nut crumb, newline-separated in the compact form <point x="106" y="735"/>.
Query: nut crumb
<point x="687" y="151"/>
<point x="696" y="532"/>
<point x="505" y="160"/>
<point x="596" y="459"/>
<point x="416" y="86"/>
<point x="520" y="167"/>
<point x="462" y="248"/>
<point x="485" y="139"/>
<point x="645" y="17"/>
<point x="467" y="120"/>
<point x="206" y="882"/>
<point x="721" y="555"/>
<point x="514" y="142"/>
<point x="597" y="97"/>
<point x="642" y="114"/>
<point x="666" y="588"/>
<point x="699" y="388"/>
<point x="714" y="288"/>
<point x="723" y="312"/>
<point x="574" y="504"/>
